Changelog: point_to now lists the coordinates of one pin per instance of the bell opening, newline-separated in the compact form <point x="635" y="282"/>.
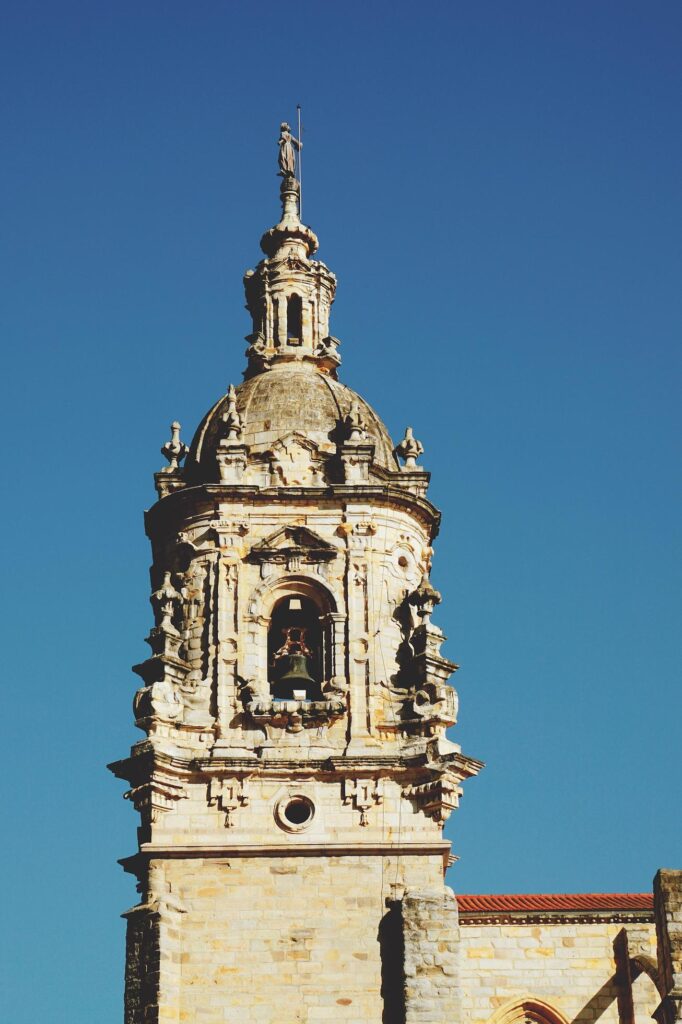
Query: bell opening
<point x="294" y="320"/>
<point x="295" y="650"/>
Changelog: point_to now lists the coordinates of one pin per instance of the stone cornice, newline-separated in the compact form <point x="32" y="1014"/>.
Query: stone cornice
<point x="175" y="506"/>
<point x="147" y="758"/>
<point x="287" y="848"/>
<point x="558" y="917"/>
<point x="554" y="908"/>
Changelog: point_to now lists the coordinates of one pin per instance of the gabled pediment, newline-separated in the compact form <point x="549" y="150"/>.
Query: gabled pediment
<point x="292" y="440"/>
<point x="293" y="542"/>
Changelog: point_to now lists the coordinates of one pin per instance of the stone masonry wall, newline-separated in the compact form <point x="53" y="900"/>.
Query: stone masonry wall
<point x="289" y="939"/>
<point x="570" y="967"/>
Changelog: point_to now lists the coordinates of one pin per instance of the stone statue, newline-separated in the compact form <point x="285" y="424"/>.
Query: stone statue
<point x="288" y="145"/>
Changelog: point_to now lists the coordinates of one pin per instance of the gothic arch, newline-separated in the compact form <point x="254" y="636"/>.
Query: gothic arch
<point x="529" y="1009"/>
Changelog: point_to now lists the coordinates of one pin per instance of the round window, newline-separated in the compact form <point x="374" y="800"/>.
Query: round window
<point x="294" y="813"/>
<point x="298" y="811"/>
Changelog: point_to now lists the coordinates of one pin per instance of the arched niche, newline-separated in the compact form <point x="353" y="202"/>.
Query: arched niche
<point x="269" y="613"/>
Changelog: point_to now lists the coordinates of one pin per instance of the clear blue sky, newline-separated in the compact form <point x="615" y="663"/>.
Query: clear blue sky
<point x="497" y="186"/>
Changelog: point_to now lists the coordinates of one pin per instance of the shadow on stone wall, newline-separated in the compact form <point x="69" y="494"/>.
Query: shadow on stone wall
<point x="392" y="946"/>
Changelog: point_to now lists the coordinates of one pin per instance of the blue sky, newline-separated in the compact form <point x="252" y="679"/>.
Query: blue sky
<point x="497" y="187"/>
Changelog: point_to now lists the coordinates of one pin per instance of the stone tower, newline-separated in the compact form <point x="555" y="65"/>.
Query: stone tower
<point x="295" y="776"/>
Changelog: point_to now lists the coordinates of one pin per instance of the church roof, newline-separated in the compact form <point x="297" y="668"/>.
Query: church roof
<point x="524" y="903"/>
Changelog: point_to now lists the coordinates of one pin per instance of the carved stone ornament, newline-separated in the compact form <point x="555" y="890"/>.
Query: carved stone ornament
<point x="438" y="797"/>
<point x="229" y="795"/>
<point x="232" y="424"/>
<point x="158" y="702"/>
<point x="155" y="797"/>
<point x="164" y="601"/>
<point x="174" y="450"/>
<point x="327" y="350"/>
<point x="296" y="715"/>
<point x="295" y="461"/>
<point x="363" y="794"/>
<point x="436" y="704"/>
<point x="293" y="546"/>
<point x="336" y="689"/>
<point x="409" y="449"/>
<point x="229" y="532"/>
<point x="353" y="425"/>
<point x="356" y="458"/>
<point x="424" y="599"/>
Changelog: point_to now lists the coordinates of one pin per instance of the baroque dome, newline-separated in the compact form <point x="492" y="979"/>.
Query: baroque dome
<point x="289" y="398"/>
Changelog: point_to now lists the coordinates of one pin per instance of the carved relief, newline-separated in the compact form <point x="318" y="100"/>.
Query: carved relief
<point x="296" y="462"/>
<point x="155" y="797"/>
<point x="437" y="798"/>
<point x="363" y="794"/>
<point x="229" y="795"/>
<point x="229" y="533"/>
<point x="292" y="546"/>
<point x="157" y="702"/>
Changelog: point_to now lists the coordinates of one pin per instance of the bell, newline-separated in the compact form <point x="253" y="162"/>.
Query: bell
<point x="296" y="677"/>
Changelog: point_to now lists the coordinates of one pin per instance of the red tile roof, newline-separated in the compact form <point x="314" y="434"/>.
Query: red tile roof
<point x="502" y="903"/>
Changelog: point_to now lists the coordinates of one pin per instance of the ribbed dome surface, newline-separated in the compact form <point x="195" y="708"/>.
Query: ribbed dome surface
<point x="287" y="398"/>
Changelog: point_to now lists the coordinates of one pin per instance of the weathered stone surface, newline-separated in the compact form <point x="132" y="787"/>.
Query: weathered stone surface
<point x="432" y="984"/>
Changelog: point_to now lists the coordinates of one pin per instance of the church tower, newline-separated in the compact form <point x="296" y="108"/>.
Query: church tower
<point x="294" y="776"/>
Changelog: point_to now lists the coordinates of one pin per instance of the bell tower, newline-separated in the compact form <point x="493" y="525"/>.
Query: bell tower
<point x="294" y="775"/>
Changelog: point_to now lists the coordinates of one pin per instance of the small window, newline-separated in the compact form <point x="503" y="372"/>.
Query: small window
<point x="298" y="811"/>
<point x="294" y="320"/>
<point x="294" y="812"/>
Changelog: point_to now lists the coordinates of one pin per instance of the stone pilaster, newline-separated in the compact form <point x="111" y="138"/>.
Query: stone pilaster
<point x="668" y="911"/>
<point x="431" y="962"/>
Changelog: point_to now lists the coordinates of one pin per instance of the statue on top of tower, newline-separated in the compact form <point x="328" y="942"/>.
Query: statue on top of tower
<point x="288" y="144"/>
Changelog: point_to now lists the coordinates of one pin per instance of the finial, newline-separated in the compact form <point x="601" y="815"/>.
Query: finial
<point x="409" y="449"/>
<point x="425" y="598"/>
<point x="231" y="419"/>
<point x="353" y="422"/>
<point x="175" y="449"/>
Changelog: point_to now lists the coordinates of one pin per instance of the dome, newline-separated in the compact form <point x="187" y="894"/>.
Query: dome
<point x="287" y="398"/>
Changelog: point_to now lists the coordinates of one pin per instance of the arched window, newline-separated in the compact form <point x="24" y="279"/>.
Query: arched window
<point x="294" y="320"/>
<point x="295" y="649"/>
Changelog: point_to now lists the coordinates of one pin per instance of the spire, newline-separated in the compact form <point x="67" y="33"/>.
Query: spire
<point x="290" y="233"/>
<point x="289" y="295"/>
